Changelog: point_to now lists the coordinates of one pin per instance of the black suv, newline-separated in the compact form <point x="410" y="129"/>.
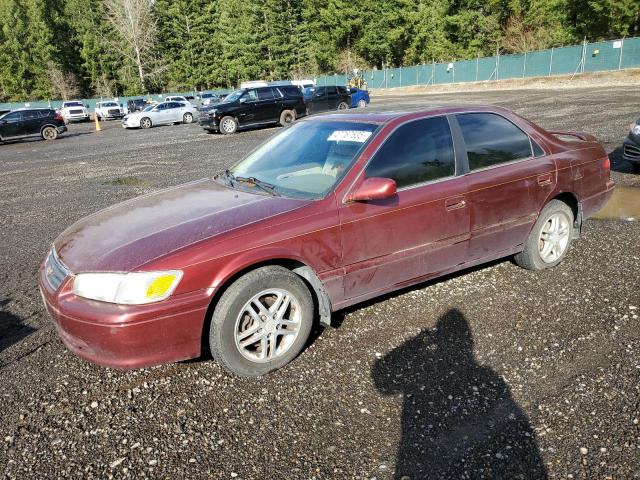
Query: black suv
<point x="254" y="106"/>
<point x="30" y="122"/>
<point x="136" y="105"/>
<point x="323" y="99"/>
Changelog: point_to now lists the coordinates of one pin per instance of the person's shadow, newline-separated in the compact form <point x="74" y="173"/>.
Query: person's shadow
<point x="459" y="419"/>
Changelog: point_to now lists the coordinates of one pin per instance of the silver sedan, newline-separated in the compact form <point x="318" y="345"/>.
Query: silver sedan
<point x="161" y="114"/>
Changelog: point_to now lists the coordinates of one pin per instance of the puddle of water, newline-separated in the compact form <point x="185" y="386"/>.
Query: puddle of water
<point x="624" y="204"/>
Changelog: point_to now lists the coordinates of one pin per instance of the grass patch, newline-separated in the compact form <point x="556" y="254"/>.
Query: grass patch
<point x="127" y="181"/>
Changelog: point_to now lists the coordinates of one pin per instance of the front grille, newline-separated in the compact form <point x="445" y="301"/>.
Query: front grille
<point x="631" y="151"/>
<point x="55" y="270"/>
<point x="114" y="111"/>
<point x="75" y="112"/>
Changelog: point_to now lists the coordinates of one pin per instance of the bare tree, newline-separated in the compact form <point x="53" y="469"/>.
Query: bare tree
<point x="64" y="84"/>
<point x="134" y="22"/>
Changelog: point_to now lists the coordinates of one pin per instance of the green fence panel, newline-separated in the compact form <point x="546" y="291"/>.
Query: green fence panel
<point x="630" y="53"/>
<point x="465" y="71"/>
<point x="602" y="56"/>
<point x="538" y="63"/>
<point x="566" y="60"/>
<point x="511" y="66"/>
<point x="486" y="68"/>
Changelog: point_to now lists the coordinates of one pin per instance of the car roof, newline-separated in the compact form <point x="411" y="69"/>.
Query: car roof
<point x="387" y="117"/>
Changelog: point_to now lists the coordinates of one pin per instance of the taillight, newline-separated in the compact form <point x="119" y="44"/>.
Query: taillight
<point x="57" y="116"/>
<point x="606" y="164"/>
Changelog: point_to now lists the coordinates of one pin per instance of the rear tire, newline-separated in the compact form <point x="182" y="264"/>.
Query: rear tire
<point x="343" y="106"/>
<point x="549" y="239"/>
<point x="244" y="337"/>
<point x="228" y="125"/>
<point x="49" y="133"/>
<point x="287" y="117"/>
<point x="145" y="122"/>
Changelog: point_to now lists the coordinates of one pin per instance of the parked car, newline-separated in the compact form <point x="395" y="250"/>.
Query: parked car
<point x="335" y="210"/>
<point x="74" y="111"/>
<point x="359" y="98"/>
<point x="323" y="99"/>
<point x="31" y="122"/>
<point x="108" y="110"/>
<point x="136" y="105"/>
<point x="177" y="98"/>
<point x="161" y="114"/>
<point x="207" y="99"/>
<point x="254" y="106"/>
<point x="631" y="146"/>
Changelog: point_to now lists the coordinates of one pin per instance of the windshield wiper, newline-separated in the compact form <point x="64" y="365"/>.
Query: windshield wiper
<point x="262" y="185"/>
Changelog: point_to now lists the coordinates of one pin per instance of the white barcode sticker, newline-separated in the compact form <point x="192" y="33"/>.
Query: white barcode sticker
<point x="358" y="136"/>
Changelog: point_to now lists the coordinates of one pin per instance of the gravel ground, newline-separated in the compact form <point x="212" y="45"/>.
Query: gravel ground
<point x="496" y="372"/>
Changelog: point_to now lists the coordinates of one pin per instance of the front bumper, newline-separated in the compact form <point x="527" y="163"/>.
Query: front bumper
<point x="631" y="149"/>
<point x="76" y="117"/>
<point x="131" y="123"/>
<point x="126" y="336"/>
<point x="208" y="123"/>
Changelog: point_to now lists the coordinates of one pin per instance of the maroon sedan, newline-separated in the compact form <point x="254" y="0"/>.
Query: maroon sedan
<point x="332" y="211"/>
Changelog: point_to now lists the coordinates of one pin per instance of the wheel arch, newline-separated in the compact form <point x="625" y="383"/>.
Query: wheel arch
<point x="321" y="300"/>
<point x="572" y="201"/>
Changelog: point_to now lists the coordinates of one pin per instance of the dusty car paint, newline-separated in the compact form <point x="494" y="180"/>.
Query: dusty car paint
<point x="357" y="250"/>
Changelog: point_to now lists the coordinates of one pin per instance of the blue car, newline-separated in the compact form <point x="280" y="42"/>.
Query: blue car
<point x="359" y="98"/>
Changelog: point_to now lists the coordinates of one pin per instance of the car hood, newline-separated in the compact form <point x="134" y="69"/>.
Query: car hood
<point x="130" y="234"/>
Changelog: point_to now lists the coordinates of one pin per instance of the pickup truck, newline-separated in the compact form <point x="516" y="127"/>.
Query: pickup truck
<point x="74" y="111"/>
<point x="108" y="110"/>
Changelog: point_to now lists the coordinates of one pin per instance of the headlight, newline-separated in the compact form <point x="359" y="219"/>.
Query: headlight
<point x="127" y="288"/>
<point x="636" y="129"/>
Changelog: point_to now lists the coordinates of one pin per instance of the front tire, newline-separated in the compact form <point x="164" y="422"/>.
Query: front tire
<point x="187" y="118"/>
<point x="228" y="125"/>
<point x="362" y="103"/>
<point x="550" y="238"/>
<point x="261" y="322"/>
<point x="49" y="133"/>
<point x="145" y="123"/>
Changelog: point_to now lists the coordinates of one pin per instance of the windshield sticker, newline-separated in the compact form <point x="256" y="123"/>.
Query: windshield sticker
<point x="359" y="136"/>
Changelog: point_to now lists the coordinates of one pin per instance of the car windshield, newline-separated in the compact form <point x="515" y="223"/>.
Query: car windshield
<point x="149" y="108"/>
<point x="233" y="96"/>
<point x="73" y="104"/>
<point x="306" y="160"/>
<point x="109" y="104"/>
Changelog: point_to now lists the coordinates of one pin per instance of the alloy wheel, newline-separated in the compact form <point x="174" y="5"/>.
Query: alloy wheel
<point x="268" y="325"/>
<point x="554" y="237"/>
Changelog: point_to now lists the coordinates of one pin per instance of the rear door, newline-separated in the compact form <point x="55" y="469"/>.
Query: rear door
<point x="318" y="100"/>
<point x="333" y="98"/>
<point x="267" y="108"/>
<point x="508" y="183"/>
<point x="424" y="229"/>
<point x="31" y="122"/>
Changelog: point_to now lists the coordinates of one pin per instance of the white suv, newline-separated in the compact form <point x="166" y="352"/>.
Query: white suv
<point x="74" y="111"/>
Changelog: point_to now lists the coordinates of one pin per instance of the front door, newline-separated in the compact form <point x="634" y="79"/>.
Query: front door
<point x="508" y="183"/>
<point x="422" y="231"/>
<point x="247" y="112"/>
<point x="11" y="125"/>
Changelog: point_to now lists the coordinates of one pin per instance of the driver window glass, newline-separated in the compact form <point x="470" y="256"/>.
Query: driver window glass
<point x="418" y="152"/>
<point x="13" y="117"/>
<point x="250" y="96"/>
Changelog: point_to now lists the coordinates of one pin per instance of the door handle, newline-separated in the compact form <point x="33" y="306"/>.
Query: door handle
<point x="544" y="180"/>
<point x="455" y="203"/>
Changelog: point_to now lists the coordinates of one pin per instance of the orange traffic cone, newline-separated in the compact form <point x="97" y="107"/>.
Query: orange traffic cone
<point x="98" y="129"/>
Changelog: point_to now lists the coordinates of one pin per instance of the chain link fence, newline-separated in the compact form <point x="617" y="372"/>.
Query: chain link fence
<point x="588" y="57"/>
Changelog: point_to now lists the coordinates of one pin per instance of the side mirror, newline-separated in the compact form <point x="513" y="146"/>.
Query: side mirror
<point x="373" y="188"/>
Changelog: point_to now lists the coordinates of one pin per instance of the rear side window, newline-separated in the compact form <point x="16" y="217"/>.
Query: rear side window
<point x="492" y="140"/>
<point x="45" y="113"/>
<point x="342" y="90"/>
<point x="332" y="90"/>
<point x="29" y="114"/>
<point x="265" y="94"/>
<point x="418" y="152"/>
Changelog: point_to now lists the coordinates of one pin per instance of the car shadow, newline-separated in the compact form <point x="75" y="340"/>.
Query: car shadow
<point x="459" y="419"/>
<point x="12" y="327"/>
